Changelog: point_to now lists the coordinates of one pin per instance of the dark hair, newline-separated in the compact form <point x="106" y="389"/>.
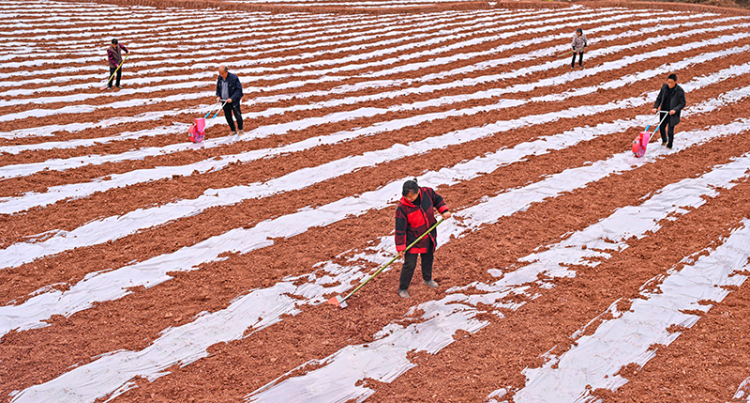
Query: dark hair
<point x="580" y="31"/>
<point x="672" y="76"/>
<point x="114" y="41"/>
<point x="410" y="186"/>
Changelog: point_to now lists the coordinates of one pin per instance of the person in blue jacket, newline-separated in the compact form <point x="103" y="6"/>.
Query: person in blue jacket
<point x="229" y="89"/>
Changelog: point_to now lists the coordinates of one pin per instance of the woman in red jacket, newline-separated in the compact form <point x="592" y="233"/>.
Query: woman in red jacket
<point x="414" y="216"/>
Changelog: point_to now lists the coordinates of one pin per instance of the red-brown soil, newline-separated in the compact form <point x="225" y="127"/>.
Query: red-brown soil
<point x="706" y="363"/>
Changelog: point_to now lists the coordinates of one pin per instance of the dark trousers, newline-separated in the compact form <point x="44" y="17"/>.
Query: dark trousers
<point x="119" y="76"/>
<point x="410" y="263"/>
<point x="667" y="137"/>
<point x="230" y="107"/>
<point x="580" y="59"/>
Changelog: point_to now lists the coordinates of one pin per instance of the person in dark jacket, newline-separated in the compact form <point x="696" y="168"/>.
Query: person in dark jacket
<point x="414" y="216"/>
<point x="228" y="88"/>
<point x="579" y="43"/>
<point x="671" y="100"/>
<point x="114" y="59"/>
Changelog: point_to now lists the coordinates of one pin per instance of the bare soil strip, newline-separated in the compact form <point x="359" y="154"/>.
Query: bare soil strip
<point x="704" y="364"/>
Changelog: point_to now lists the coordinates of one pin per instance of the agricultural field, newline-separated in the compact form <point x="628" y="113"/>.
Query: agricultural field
<point x="137" y="266"/>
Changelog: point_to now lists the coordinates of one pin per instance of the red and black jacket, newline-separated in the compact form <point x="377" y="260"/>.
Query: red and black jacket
<point x="413" y="220"/>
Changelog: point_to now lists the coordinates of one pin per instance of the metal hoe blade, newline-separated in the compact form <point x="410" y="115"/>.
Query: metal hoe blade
<point x="338" y="301"/>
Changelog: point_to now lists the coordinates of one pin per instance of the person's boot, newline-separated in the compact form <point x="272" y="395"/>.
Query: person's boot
<point x="403" y="293"/>
<point x="431" y="283"/>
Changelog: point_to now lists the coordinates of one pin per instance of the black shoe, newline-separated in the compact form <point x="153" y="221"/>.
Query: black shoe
<point x="431" y="283"/>
<point x="403" y="293"/>
<point x="669" y="146"/>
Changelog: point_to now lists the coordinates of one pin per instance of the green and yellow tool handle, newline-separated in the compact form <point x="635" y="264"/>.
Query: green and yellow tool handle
<point x="572" y="51"/>
<point x="395" y="258"/>
<point x="118" y="67"/>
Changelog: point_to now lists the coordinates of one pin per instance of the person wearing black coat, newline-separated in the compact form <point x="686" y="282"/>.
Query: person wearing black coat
<point x="229" y="89"/>
<point x="415" y="214"/>
<point x="671" y="100"/>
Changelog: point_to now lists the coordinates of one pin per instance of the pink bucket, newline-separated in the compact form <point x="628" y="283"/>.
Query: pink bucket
<point x="197" y="130"/>
<point x="640" y="143"/>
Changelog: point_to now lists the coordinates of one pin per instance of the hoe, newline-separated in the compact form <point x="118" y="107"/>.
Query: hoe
<point x="104" y="87"/>
<point x="341" y="301"/>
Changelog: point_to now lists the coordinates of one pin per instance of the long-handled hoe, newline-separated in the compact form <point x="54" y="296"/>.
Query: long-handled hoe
<point x="104" y="87"/>
<point x="568" y="52"/>
<point x="341" y="301"/>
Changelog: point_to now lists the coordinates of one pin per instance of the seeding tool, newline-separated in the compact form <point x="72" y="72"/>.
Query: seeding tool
<point x="197" y="130"/>
<point x="341" y="301"/>
<point x="113" y="74"/>
<point x="641" y="142"/>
